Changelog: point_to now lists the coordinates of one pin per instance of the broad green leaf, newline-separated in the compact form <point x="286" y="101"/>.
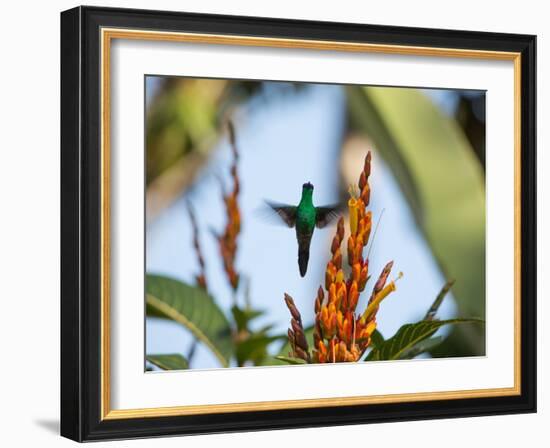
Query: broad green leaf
<point x="169" y="362"/>
<point x="442" y="180"/>
<point x="290" y="360"/>
<point x="408" y="336"/>
<point x="422" y="347"/>
<point x="193" y="308"/>
<point x="376" y="339"/>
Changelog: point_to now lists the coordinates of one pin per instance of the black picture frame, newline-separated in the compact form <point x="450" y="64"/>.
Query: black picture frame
<point x="81" y="224"/>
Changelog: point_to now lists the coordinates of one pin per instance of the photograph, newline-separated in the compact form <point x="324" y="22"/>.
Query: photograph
<point x="279" y="224"/>
<point x="293" y="223"/>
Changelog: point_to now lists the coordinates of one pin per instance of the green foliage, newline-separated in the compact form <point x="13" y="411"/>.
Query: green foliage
<point x="422" y="347"/>
<point x="251" y="345"/>
<point x="438" y="301"/>
<point x="376" y="339"/>
<point x="182" y="117"/>
<point x="193" y="308"/>
<point x="442" y="179"/>
<point x="408" y="337"/>
<point x="412" y="340"/>
<point x="290" y="360"/>
<point x="172" y="361"/>
<point x="244" y="316"/>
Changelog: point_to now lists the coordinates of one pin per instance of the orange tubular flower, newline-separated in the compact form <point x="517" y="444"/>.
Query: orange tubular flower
<point x="228" y="240"/>
<point x="340" y="333"/>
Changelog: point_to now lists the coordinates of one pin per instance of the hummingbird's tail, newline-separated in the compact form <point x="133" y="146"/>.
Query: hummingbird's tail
<point x="303" y="258"/>
<point x="303" y="253"/>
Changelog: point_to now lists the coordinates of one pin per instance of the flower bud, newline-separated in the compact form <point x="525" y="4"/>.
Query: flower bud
<point x="353" y="217"/>
<point x="337" y="259"/>
<point x="362" y="180"/>
<point x="365" y="195"/>
<point x="351" y="246"/>
<point x="292" y="308"/>
<point x="335" y="244"/>
<point x="353" y="295"/>
<point x="363" y="277"/>
<point x="340" y="228"/>
<point x="366" y="167"/>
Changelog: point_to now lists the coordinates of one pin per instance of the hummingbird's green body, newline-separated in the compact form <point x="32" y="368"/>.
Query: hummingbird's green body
<point x="305" y="217"/>
<point x="306" y="213"/>
<point x="305" y="225"/>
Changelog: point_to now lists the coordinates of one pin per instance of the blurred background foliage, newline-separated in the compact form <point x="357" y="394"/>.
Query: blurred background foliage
<point x="433" y="141"/>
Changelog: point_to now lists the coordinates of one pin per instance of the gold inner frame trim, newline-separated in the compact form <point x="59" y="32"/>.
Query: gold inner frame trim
<point x="107" y="35"/>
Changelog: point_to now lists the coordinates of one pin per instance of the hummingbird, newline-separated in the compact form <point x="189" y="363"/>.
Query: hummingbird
<point x="305" y="217"/>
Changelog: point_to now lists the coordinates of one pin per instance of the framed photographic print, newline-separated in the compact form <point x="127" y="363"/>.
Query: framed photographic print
<point x="273" y="224"/>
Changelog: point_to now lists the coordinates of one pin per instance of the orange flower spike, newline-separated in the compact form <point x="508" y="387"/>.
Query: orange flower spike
<point x="333" y="323"/>
<point x="358" y="251"/>
<point x="355" y="353"/>
<point x="351" y="247"/>
<point x="365" y="194"/>
<point x="353" y="215"/>
<point x="339" y="319"/>
<point x="335" y="244"/>
<point x="341" y="296"/>
<point x="337" y="259"/>
<point x="371" y="326"/>
<point x="360" y="207"/>
<point x="353" y="295"/>
<point x="366" y="167"/>
<point x="332" y="294"/>
<point x="330" y="275"/>
<point x="343" y="287"/>
<point x="362" y="181"/>
<point x="322" y="351"/>
<point x="292" y="307"/>
<point x="228" y="240"/>
<point x="359" y="242"/>
<point x="324" y="316"/>
<point x="331" y="309"/>
<point x="340" y="228"/>
<point x="356" y="272"/>
<point x="368" y="227"/>
<point x="319" y="299"/>
<point x="364" y="276"/>
<point x="342" y="351"/>
<point x="339" y="277"/>
<point x="345" y="333"/>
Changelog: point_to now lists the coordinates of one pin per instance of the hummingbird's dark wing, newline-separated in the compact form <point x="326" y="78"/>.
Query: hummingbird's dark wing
<point x="326" y="215"/>
<point x="286" y="212"/>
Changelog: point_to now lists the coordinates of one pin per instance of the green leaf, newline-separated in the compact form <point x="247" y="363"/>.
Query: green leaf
<point x="169" y="362"/>
<point x="243" y="316"/>
<point x="442" y="179"/>
<point x="408" y="336"/>
<point x="430" y="314"/>
<point x="290" y="360"/>
<point x="422" y="347"/>
<point x="377" y="339"/>
<point x="193" y="308"/>
<point x="254" y="348"/>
